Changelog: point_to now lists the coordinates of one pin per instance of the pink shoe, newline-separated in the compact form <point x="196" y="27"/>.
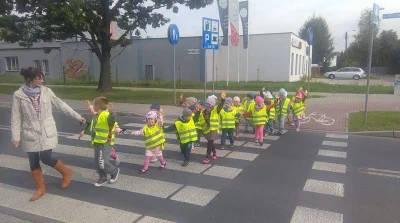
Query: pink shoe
<point x="214" y="156"/>
<point x="113" y="155"/>
<point x="206" y="161"/>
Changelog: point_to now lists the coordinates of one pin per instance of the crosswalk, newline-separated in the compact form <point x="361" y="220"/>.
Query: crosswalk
<point x="333" y="147"/>
<point x="192" y="187"/>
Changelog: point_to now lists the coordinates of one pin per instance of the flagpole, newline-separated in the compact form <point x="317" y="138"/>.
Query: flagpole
<point x="227" y="69"/>
<point x="247" y="52"/>
<point x="238" y="60"/>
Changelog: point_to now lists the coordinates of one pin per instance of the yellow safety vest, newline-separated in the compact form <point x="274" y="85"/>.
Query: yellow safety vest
<point x="248" y="108"/>
<point x="260" y="116"/>
<point x="214" y="122"/>
<point x="186" y="131"/>
<point x="101" y="129"/>
<point x="154" y="136"/>
<point x="228" y="119"/>
<point x="238" y="109"/>
<point x="271" y="114"/>
<point x="282" y="110"/>
<point x="298" y="108"/>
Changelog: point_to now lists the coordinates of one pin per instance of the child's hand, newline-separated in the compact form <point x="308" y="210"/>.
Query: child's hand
<point x="87" y="103"/>
<point x="181" y="96"/>
<point x="160" y="111"/>
<point x="81" y="134"/>
<point x="223" y="95"/>
<point x="263" y="89"/>
<point x="110" y="107"/>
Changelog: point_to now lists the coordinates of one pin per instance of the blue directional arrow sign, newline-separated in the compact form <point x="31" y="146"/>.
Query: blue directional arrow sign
<point x="173" y="34"/>
<point x="392" y="16"/>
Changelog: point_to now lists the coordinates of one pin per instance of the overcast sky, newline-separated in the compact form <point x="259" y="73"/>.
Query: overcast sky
<point x="267" y="16"/>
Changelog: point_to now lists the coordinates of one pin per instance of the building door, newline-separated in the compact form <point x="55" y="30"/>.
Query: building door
<point x="149" y="75"/>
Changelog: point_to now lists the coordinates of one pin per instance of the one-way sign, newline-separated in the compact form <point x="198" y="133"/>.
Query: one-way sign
<point x="392" y="16"/>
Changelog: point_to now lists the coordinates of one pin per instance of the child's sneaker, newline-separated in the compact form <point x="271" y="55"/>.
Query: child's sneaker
<point x="256" y="140"/>
<point x="162" y="166"/>
<point x="261" y="143"/>
<point x="206" y="161"/>
<point x="153" y="159"/>
<point x="232" y="146"/>
<point x="297" y="130"/>
<point x="214" y="156"/>
<point x="100" y="182"/>
<point x="114" y="177"/>
<point x="222" y="148"/>
<point x="196" y="144"/>
<point x="185" y="163"/>
<point x="237" y="135"/>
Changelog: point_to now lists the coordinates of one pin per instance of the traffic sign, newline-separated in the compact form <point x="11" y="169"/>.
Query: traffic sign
<point x="173" y="34"/>
<point x="375" y="16"/>
<point x="392" y="16"/>
<point x="210" y="37"/>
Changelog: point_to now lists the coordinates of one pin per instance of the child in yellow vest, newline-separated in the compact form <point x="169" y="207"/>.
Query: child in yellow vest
<point x="282" y="110"/>
<point x="101" y="136"/>
<point x="298" y="110"/>
<point x="116" y="128"/>
<point x="259" y="113"/>
<point x="228" y="116"/>
<point x="209" y="121"/>
<point x="269" y="126"/>
<point x="185" y="132"/>
<point x="154" y="138"/>
<point x="239" y="108"/>
<point x="160" y="119"/>
<point x="199" y="109"/>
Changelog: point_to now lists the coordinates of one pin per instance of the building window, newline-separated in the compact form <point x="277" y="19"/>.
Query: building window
<point x="292" y="64"/>
<point x="304" y="65"/>
<point x="12" y="64"/>
<point x="300" y="64"/>
<point x="43" y="65"/>
<point x="297" y="62"/>
<point x="149" y="75"/>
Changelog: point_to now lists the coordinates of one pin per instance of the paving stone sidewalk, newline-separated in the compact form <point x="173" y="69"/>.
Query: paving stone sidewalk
<point x="335" y="106"/>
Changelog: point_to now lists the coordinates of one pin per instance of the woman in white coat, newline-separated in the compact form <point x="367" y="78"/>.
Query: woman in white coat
<point x="33" y="125"/>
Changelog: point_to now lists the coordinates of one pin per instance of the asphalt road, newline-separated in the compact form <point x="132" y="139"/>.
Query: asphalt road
<point x="299" y="177"/>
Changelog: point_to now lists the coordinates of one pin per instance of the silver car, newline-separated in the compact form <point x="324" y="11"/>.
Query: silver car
<point x="347" y="73"/>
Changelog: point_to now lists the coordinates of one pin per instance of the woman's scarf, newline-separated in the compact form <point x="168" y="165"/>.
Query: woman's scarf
<point x="31" y="92"/>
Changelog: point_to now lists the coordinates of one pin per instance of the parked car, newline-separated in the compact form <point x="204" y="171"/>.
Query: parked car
<point x="347" y="73"/>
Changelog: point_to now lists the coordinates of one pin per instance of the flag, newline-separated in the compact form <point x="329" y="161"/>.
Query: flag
<point x="234" y="21"/>
<point x="244" y="15"/>
<point x="223" y="7"/>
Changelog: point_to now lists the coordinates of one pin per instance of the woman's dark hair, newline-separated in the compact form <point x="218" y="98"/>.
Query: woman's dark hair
<point x="31" y="73"/>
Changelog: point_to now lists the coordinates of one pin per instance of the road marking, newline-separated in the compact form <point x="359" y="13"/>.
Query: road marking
<point x="173" y="164"/>
<point x="61" y="208"/>
<point x="331" y="153"/>
<point x="337" y="136"/>
<point x="331" y="167"/>
<point x="324" y="187"/>
<point x="380" y="172"/>
<point x="148" y="219"/>
<point x="333" y="143"/>
<point x="256" y="145"/>
<point x="309" y="215"/>
<point x="167" y="146"/>
<point x="195" y="195"/>
<point x="222" y="171"/>
<point x="241" y="155"/>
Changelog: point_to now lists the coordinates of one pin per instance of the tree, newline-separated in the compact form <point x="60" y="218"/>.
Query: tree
<point x="323" y="41"/>
<point x="89" y="20"/>
<point x="388" y="43"/>
<point x="358" y="49"/>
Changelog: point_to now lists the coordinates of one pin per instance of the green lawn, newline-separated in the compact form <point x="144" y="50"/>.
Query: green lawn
<point x="118" y="95"/>
<point x="219" y="85"/>
<point x="377" y="121"/>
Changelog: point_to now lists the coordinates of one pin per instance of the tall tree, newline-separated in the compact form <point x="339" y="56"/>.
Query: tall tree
<point x="323" y="41"/>
<point x="358" y="50"/>
<point x="89" y="20"/>
<point x="389" y="42"/>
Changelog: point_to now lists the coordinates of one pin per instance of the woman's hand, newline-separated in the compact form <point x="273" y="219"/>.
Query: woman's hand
<point x="83" y="120"/>
<point x="81" y="134"/>
<point x="15" y="144"/>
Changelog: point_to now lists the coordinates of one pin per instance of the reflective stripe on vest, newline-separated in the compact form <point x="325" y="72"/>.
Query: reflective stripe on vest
<point x="282" y="110"/>
<point x="271" y="115"/>
<point x="228" y="119"/>
<point x="153" y="136"/>
<point x="298" y="108"/>
<point x="101" y="129"/>
<point x="186" y="131"/>
<point x="260" y="116"/>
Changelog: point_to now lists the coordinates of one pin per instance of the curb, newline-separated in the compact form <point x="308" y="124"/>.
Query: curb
<point x="384" y="134"/>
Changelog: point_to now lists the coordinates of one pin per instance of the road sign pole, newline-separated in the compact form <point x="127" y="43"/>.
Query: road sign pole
<point x="371" y="43"/>
<point x="213" y="73"/>
<point x="205" y="76"/>
<point x="174" y="78"/>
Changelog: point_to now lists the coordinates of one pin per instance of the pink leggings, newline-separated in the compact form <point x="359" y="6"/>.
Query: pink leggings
<point x="259" y="133"/>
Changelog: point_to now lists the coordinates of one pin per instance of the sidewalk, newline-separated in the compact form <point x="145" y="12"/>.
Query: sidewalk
<point x="334" y="106"/>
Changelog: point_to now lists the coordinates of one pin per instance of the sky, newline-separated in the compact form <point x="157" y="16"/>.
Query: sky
<point x="268" y="16"/>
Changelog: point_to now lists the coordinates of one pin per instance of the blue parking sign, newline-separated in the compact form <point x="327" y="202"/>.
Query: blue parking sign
<point x="173" y="34"/>
<point x="210" y="37"/>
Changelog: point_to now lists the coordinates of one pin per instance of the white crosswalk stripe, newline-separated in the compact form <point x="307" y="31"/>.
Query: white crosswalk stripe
<point x="172" y="190"/>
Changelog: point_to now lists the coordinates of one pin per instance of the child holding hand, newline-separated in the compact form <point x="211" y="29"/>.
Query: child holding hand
<point x="239" y="109"/>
